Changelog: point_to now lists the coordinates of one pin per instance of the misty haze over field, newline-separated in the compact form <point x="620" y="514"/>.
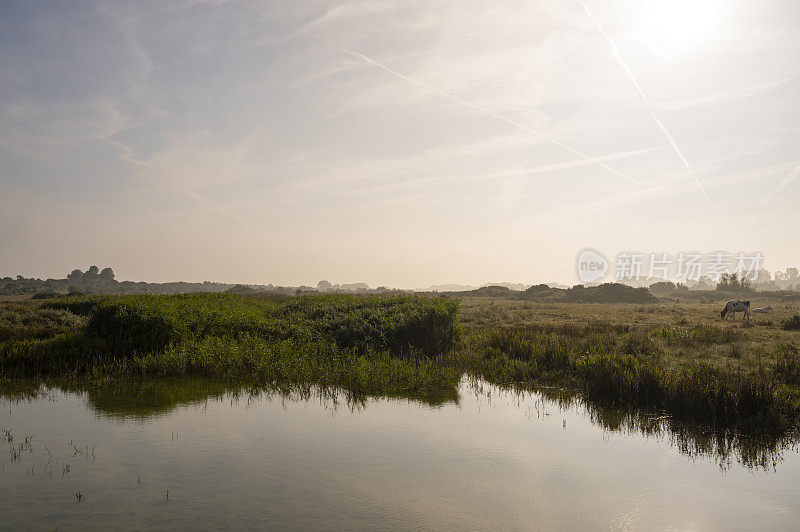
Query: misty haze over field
<point x="404" y="144"/>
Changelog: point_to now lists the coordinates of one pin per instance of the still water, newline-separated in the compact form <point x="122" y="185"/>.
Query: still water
<point x="190" y="455"/>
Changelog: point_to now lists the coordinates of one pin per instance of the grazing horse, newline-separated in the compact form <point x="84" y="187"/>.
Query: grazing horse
<point x="736" y="306"/>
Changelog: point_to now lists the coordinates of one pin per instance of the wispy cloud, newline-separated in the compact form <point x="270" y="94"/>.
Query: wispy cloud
<point x="462" y="175"/>
<point x="446" y="128"/>
<point x="374" y="62"/>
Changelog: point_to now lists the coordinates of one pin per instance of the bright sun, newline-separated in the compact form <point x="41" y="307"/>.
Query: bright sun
<point x="679" y="24"/>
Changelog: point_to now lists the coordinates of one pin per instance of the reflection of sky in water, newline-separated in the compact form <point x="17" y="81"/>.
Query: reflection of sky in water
<point x="490" y="461"/>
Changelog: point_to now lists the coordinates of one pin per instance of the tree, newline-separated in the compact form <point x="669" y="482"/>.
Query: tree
<point x="92" y="273"/>
<point x="76" y="275"/>
<point x="107" y="274"/>
<point x="729" y="282"/>
<point x="746" y="285"/>
<point x="324" y="286"/>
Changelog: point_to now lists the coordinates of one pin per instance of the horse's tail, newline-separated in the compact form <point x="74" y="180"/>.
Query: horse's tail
<point x="724" y="311"/>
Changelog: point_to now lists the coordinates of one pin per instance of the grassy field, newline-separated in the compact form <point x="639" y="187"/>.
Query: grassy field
<point x="678" y="359"/>
<point x="680" y="334"/>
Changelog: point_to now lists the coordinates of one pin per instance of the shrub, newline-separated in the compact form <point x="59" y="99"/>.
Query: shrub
<point x="792" y="324"/>
<point x="80" y="305"/>
<point x="131" y="328"/>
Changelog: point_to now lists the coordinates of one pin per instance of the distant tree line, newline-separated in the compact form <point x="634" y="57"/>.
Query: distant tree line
<point x="730" y="285"/>
<point x="97" y="281"/>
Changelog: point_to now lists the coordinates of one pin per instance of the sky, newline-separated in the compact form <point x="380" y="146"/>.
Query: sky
<point x="395" y="143"/>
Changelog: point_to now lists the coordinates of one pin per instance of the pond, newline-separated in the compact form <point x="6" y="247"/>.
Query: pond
<point x="192" y="454"/>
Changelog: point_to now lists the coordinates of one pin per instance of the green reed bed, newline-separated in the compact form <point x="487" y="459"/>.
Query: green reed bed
<point x="375" y="345"/>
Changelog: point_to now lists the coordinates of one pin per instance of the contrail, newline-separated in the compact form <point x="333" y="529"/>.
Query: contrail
<point x="512" y="173"/>
<point x="784" y="182"/>
<point x="618" y="56"/>
<point x="590" y="160"/>
<point x="436" y="90"/>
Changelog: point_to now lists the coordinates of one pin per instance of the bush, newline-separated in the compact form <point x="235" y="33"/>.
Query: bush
<point x="79" y="305"/>
<point x="792" y="324"/>
<point x="131" y="328"/>
<point x="399" y="324"/>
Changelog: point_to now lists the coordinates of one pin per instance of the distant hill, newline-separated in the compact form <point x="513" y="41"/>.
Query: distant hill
<point x="447" y="288"/>
<point x="465" y="287"/>
<point x="519" y="287"/>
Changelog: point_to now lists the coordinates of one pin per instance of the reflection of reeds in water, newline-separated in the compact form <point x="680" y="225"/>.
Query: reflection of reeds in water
<point x="141" y="399"/>
<point x="723" y="446"/>
<point x="697" y="441"/>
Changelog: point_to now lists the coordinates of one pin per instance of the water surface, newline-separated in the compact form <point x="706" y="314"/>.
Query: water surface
<point x="192" y="455"/>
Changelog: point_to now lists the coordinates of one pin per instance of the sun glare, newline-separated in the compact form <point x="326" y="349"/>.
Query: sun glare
<point x="679" y="24"/>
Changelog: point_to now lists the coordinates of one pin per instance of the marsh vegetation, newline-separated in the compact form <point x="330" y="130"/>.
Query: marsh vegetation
<point x="677" y="360"/>
<point x="375" y="345"/>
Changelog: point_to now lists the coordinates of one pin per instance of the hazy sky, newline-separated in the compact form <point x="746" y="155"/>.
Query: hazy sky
<point x="402" y="143"/>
